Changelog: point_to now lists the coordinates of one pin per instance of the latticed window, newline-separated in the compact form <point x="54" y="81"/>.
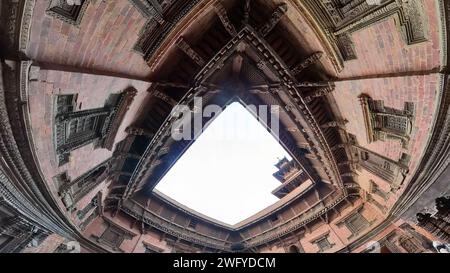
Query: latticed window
<point x="73" y="127"/>
<point x="323" y="243"/>
<point x="112" y="237"/>
<point x="152" y="249"/>
<point x="364" y="155"/>
<point x="80" y="126"/>
<point x="88" y="124"/>
<point x="65" y="103"/>
<point x="396" y="123"/>
<point x="70" y="11"/>
<point x="356" y="223"/>
<point x="385" y="122"/>
<point x="409" y="245"/>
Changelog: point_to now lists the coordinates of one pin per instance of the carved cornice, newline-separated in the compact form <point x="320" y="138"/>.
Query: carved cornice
<point x="26" y="25"/>
<point x="173" y="229"/>
<point x="18" y="23"/>
<point x="291" y="225"/>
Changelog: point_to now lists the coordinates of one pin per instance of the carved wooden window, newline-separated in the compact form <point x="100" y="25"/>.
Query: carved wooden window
<point x="151" y="249"/>
<point x="392" y="172"/>
<point x="112" y="237"/>
<point x="356" y="223"/>
<point x="383" y="122"/>
<point x="69" y="11"/>
<point x="66" y="103"/>
<point x="72" y="191"/>
<point x="364" y="156"/>
<point x="396" y="124"/>
<point x="323" y="243"/>
<point x="89" y="219"/>
<point x="149" y="8"/>
<point x="81" y="214"/>
<point x="409" y="244"/>
<point x="74" y="129"/>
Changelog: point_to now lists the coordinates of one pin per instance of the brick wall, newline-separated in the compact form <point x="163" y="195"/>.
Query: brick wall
<point x="103" y="41"/>
<point x="93" y="91"/>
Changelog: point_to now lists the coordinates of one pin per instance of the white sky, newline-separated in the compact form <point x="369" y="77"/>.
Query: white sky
<point x="227" y="172"/>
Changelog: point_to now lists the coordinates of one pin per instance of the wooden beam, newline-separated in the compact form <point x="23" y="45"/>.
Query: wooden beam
<point x="312" y="59"/>
<point x="274" y="19"/>
<point x="247" y="8"/>
<point x="138" y="131"/>
<point x="237" y="66"/>
<point x="314" y="84"/>
<point x="222" y="14"/>
<point x="334" y="124"/>
<point x="169" y="100"/>
<point x="187" y="49"/>
<point x="319" y="93"/>
<point x="169" y="84"/>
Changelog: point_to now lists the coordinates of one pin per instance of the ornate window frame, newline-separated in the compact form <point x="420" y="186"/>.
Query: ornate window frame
<point x="71" y="16"/>
<point x="323" y="243"/>
<point x="377" y="119"/>
<point x="70" y="130"/>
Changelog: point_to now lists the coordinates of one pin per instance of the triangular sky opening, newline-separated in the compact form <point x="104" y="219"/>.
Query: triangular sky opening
<point x="226" y="174"/>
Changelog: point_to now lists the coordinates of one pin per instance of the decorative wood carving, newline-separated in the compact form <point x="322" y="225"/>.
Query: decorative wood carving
<point x="346" y="47"/>
<point x="154" y="32"/>
<point x="186" y="48"/>
<point x="393" y="172"/>
<point x="71" y="191"/>
<point x="71" y="13"/>
<point x="150" y="9"/>
<point x="342" y="18"/>
<point x="119" y="111"/>
<point x="222" y="13"/>
<point x="74" y="129"/>
<point x="274" y="19"/>
<point x="314" y="58"/>
<point x="133" y="130"/>
<point x="383" y="122"/>
<point x="319" y="93"/>
<point x="247" y="9"/>
<point x="334" y="124"/>
<point x="435" y="226"/>
<point x="164" y="97"/>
